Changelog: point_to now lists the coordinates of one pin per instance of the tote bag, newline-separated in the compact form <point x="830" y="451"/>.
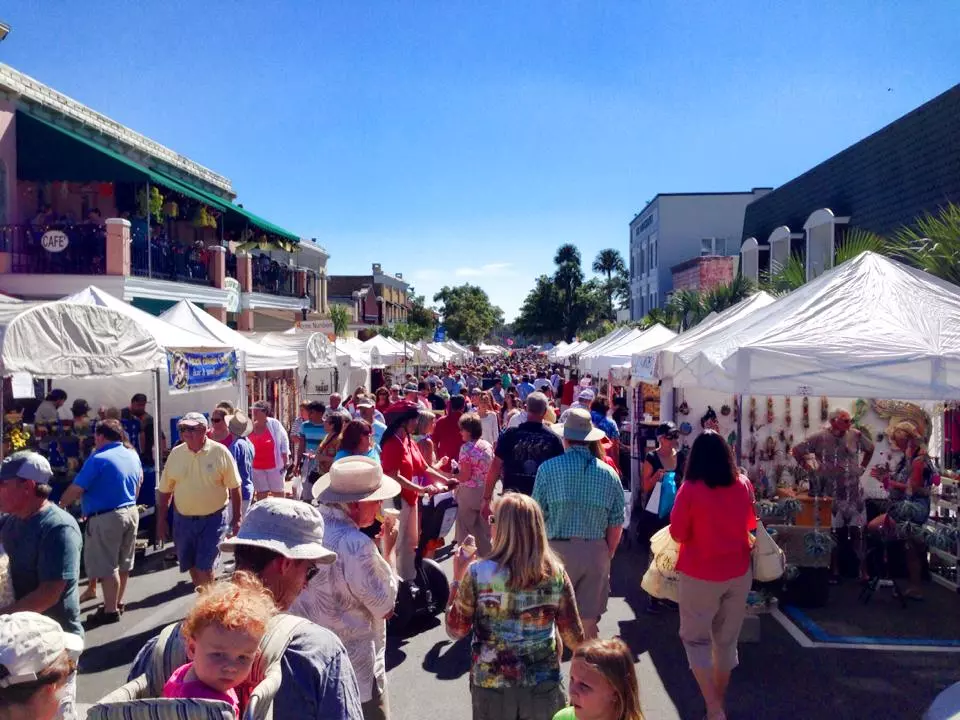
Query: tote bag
<point x="769" y="560"/>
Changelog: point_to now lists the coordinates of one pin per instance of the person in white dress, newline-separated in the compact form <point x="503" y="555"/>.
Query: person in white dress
<point x="488" y="418"/>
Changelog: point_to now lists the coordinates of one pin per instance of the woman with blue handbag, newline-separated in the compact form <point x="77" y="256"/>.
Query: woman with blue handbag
<point x="661" y="475"/>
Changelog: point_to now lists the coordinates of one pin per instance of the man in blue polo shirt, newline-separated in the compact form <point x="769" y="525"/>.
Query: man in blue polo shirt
<point x="312" y="432"/>
<point x="107" y="487"/>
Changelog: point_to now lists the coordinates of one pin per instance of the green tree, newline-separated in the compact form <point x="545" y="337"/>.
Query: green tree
<point x="665" y="316"/>
<point x="609" y="262"/>
<point x="340" y="317"/>
<point x="467" y="313"/>
<point x="540" y="316"/>
<point x="933" y="243"/>
<point x="419" y="315"/>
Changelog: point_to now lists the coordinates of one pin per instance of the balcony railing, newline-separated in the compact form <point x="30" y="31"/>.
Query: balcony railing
<point x="59" y="249"/>
<point x="169" y="260"/>
<point x="272" y="278"/>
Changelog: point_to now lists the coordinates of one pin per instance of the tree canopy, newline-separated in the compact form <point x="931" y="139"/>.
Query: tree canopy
<point x="467" y="313"/>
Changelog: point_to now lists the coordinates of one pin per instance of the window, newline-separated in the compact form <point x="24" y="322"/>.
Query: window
<point x="653" y="251"/>
<point x="653" y="300"/>
<point x="706" y="246"/>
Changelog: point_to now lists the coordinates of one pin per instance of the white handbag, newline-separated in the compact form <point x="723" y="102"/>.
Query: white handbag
<point x="769" y="560"/>
<point x="653" y="502"/>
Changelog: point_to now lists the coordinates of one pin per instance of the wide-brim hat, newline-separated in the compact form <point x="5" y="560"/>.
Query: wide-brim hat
<point x="291" y="528"/>
<point x="578" y="426"/>
<point x="239" y="424"/>
<point x="355" y="478"/>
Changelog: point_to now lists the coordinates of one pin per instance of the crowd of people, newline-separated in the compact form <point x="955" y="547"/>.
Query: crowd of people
<point x="323" y="520"/>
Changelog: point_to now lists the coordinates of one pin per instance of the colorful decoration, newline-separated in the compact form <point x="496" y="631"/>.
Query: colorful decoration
<point x="770" y="416"/>
<point x="171" y="210"/>
<point x="152" y="206"/>
<point x="684" y="409"/>
<point x="725" y="410"/>
<point x="105" y="189"/>
<point x="824" y="408"/>
<point x="787" y="418"/>
<point x="204" y="218"/>
<point x="753" y="414"/>
<point x="817" y="543"/>
<point x="805" y="416"/>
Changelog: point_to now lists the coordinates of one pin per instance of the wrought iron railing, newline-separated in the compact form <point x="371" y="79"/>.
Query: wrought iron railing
<point x="272" y="278"/>
<point x="169" y="260"/>
<point x="59" y="249"/>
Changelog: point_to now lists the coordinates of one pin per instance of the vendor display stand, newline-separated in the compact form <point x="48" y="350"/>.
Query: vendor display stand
<point x="943" y="533"/>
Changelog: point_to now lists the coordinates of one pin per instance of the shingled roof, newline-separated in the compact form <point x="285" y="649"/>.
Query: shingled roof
<point x="885" y="181"/>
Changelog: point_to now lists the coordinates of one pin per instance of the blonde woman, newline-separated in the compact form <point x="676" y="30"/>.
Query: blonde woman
<point x="489" y="418"/>
<point x="515" y="658"/>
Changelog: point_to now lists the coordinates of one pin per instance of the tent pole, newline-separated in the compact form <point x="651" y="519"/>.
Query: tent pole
<point x="149" y="238"/>
<point x="739" y="448"/>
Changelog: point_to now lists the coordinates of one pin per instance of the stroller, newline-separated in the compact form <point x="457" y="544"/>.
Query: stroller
<point x="428" y="593"/>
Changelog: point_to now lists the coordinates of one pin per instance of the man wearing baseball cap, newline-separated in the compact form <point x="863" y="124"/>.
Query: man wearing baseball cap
<point x="200" y="476"/>
<point x="43" y="542"/>
<point x="281" y="542"/>
<point x="583" y="510"/>
<point x="37" y="666"/>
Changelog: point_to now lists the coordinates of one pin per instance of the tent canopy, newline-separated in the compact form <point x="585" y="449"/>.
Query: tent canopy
<point x="871" y="327"/>
<point x="314" y="349"/>
<point x="256" y="356"/>
<point x="166" y="335"/>
<point x="390" y="352"/>
<point x="620" y="351"/>
<point x="63" y="340"/>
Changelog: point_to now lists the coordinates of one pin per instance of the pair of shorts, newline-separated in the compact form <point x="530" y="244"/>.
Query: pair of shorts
<point x="268" y="480"/>
<point x="197" y="538"/>
<point x="538" y="702"/>
<point x="587" y="563"/>
<point x="110" y="541"/>
<point x="847" y="513"/>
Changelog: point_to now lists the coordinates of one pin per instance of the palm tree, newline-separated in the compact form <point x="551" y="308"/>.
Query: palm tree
<point x="729" y="294"/>
<point x="689" y="308"/>
<point x="607" y="263"/>
<point x="934" y="244"/>
<point x="340" y="317"/>
<point x="567" y="254"/>
<point x="664" y="316"/>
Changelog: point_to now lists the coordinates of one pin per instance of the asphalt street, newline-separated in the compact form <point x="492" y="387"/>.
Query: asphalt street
<point x="428" y="674"/>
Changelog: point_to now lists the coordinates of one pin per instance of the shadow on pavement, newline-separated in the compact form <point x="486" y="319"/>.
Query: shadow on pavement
<point x="451" y="665"/>
<point x="116" y="652"/>
<point x="179" y="590"/>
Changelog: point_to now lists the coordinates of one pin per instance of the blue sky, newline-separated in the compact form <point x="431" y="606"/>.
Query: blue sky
<point x="460" y="141"/>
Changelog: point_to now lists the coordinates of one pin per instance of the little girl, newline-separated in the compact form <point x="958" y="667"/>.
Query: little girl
<point x="223" y="632"/>
<point x="603" y="683"/>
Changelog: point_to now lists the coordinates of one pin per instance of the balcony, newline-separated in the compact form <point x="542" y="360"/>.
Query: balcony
<point x="56" y="249"/>
<point x="167" y="259"/>
<point x="272" y="278"/>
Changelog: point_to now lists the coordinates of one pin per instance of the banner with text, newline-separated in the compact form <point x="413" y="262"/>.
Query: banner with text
<point x="190" y="370"/>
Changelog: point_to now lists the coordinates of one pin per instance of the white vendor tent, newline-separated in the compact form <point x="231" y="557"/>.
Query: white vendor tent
<point x="490" y="350"/>
<point x="390" y="353"/>
<point x="117" y="391"/>
<point x="555" y="350"/>
<point x="458" y="350"/>
<point x="564" y="355"/>
<point x="317" y="359"/>
<point x="256" y="357"/>
<point x="870" y="327"/>
<point x="619" y="353"/>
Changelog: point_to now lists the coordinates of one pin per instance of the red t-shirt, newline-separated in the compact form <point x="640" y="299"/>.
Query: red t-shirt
<point x="566" y="397"/>
<point x="447" y="437"/>
<point x="264" y="456"/>
<point x="403" y="457"/>
<point x="712" y="526"/>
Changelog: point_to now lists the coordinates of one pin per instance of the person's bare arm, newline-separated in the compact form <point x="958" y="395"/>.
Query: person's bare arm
<point x="70" y="495"/>
<point x="163" y="504"/>
<point x="236" y="505"/>
<point x="44" y="597"/>
<point x="613" y="538"/>
<point x="489" y="484"/>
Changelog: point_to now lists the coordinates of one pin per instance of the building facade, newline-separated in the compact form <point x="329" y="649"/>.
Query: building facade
<point x="702" y="274"/>
<point x="674" y="228"/>
<point x="375" y="299"/>
<point x="882" y="183"/>
<point x="86" y="201"/>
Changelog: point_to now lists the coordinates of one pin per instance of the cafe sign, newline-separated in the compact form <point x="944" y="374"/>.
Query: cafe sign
<point x="54" y="241"/>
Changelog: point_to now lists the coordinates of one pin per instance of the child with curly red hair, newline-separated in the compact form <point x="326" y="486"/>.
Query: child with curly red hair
<point x="223" y="632"/>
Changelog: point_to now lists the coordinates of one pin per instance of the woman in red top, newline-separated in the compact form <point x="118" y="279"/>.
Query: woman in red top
<point x="402" y="460"/>
<point x="712" y="518"/>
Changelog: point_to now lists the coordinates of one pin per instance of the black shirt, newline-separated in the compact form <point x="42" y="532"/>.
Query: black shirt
<point x="134" y="426"/>
<point x="523" y="450"/>
<point x="437" y="403"/>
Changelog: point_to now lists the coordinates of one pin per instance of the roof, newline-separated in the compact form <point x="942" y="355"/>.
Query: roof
<point x="696" y="194"/>
<point x="34" y="92"/>
<point x="343" y="286"/>
<point x="906" y="169"/>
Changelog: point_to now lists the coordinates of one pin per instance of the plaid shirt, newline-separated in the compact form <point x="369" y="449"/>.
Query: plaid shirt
<point x="580" y="495"/>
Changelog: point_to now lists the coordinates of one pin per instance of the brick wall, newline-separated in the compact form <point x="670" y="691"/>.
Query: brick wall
<point x="687" y="279"/>
<point x="703" y="273"/>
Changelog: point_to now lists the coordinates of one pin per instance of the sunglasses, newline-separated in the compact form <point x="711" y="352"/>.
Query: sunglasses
<point x="312" y="572"/>
<point x="671" y="436"/>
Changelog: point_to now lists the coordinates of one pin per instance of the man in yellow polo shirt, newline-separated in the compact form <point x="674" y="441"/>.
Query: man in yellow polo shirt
<point x="201" y="476"/>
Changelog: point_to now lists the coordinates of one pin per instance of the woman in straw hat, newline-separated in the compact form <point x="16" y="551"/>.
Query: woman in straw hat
<point x="354" y="596"/>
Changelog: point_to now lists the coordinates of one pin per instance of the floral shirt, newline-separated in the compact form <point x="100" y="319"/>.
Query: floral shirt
<point x="351" y="597"/>
<point x="602" y="422"/>
<point x="514" y="641"/>
<point x="475" y="461"/>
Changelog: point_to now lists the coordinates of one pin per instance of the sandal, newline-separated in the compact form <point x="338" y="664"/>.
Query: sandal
<point x="102" y="617"/>
<point x="88" y="595"/>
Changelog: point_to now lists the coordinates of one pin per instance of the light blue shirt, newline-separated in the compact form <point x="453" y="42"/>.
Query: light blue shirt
<point x="378" y="429"/>
<point x="373" y="452"/>
<point x="109" y="479"/>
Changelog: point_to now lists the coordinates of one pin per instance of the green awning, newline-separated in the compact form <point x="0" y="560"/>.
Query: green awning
<point x="47" y="152"/>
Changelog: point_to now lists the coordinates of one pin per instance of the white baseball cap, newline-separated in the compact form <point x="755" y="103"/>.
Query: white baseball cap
<point x="30" y="643"/>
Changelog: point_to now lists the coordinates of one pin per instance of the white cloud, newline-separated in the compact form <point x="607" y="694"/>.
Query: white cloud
<point x="490" y="269"/>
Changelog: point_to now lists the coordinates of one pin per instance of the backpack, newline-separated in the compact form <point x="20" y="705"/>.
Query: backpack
<point x="140" y="698"/>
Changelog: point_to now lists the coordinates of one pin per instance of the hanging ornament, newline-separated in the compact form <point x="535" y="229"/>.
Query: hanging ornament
<point x="684" y="409"/>
<point x="753" y="413"/>
<point x="787" y="418"/>
<point x="824" y="408"/>
<point x="769" y="410"/>
<point x="724" y="410"/>
<point x="805" y="416"/>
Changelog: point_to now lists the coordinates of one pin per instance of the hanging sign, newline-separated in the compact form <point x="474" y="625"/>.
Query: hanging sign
<point x="232" y="286"/>
<point x="21" y="385"/>
<point x="440" y="334"/>
<point x="641" y="366"/>
<point x="54" y="241"/>
<point x="190" y="370"/>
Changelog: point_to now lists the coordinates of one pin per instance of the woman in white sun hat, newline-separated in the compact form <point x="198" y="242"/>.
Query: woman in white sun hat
<point x="37" y="661"/>
<point x="354" y="596"/>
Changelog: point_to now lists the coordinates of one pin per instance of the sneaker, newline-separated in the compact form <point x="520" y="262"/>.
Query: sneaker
<point x="102" y="617"/>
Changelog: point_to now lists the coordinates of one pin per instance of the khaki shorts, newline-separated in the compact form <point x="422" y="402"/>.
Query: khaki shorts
<point x="540" y="702"/>
<point x="110" y="541"/>
<point x="587" y="563"/>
